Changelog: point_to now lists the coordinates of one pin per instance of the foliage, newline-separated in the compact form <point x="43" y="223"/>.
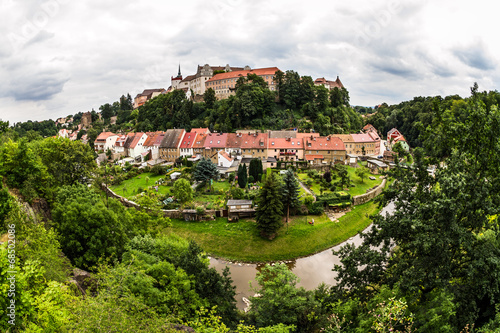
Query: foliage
<point x="88" y="229"/>
<point x="361" y="172"/>
<point x="290" y="192"/>
<point x="23" y="169"/>
<point x="242" y="175"/>
<point x="205" y="171"/>
<point x="270" y="206"/>
<point x="280" y="301"/>
<point x="255" y="169"/>
<point x="68" y="162"/>
<point x="182" y="191"/>
<point x="444" y="256"/>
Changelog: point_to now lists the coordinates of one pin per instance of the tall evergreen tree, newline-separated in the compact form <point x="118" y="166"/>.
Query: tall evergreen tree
<point x="290" y="193"/>
<point x="270" y="207"/>
<point x="242" y="175"/>
<point x="255" y="168"/>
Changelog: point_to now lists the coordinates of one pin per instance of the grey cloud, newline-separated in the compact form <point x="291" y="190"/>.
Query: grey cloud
<point x="475" y="56"/>
<point x="37" y="88"/>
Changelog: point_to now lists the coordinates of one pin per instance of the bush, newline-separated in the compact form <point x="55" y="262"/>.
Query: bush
<point x="250" y="179"/>
<point x="231" y="177"/>
<point x="158" y="170"/>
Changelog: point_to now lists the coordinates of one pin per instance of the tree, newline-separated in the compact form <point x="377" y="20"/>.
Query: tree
<point x="209" y="98"/>
<point x="68" y="162"/>
<point x="205" y="171"/>
<point x="182" y="191"/>
<point x="270" y="207"/>
<point x="290" y="193"/>
<point x="88" y="229"/>
<point x="327" y="176"/>
<point x="343" y="174"/>
<point x="255" y="168"/>
<point x="242" y="175"/>
<point x="280" y="301"/>
<point x="361" y="172"/>
<point x="453" y="218"/>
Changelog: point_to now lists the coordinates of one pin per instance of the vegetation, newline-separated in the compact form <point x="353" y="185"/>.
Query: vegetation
<point x="270" y="207"/>
<point x="242" y="241"/>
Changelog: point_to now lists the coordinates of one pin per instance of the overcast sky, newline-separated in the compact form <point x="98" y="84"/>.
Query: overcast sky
<point x="60" y="57"/>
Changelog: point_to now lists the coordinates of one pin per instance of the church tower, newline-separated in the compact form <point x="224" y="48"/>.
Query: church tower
<point x="175" y="81"/>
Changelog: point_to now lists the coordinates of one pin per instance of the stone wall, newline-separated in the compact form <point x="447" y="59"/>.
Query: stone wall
<point x="363" y="198"/>
<point x="171" y="213"/>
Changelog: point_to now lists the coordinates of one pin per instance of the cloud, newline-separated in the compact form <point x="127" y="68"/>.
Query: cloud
<point x="475" y="55"/>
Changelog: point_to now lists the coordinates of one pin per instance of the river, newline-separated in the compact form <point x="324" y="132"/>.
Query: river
<point x="311" y="271"/>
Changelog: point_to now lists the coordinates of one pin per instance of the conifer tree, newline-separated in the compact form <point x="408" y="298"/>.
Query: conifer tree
<point x="290" y="192"/>
<point x="270" y="207"/>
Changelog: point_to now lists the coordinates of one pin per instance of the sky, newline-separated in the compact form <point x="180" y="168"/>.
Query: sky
<point x="61" y="57"/>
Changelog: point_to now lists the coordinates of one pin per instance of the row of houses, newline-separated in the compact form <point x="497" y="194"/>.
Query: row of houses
<point x="229" y="149"/>
<point x="222" y="79"/>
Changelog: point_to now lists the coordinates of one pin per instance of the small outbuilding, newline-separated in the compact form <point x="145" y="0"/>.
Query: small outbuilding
<point x="377" y="166"/>
<point x="237" y="209"/>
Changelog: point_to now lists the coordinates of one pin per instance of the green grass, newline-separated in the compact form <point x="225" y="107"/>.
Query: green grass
<point x="240" y="241"/>
<point x="360" y="187"/>
<point x="132" y="185"/>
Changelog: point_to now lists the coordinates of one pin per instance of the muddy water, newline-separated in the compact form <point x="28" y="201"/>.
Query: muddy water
<point x="312" y="270"/>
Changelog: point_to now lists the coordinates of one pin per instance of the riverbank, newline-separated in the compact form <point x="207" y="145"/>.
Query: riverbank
<point x="241" y="242"/>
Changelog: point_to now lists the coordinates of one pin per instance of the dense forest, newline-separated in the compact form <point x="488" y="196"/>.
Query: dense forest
<point x="432" y="266"/>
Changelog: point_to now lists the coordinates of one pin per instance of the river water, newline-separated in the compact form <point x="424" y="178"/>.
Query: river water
<point x="311" y="271"/>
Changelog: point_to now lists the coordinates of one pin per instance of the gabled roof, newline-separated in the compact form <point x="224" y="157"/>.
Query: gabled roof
<point x="172" y="138"/>
<point x="323" y="143"/>
<point x="333" y="84"/>
<point x="256" y="140"/>
<point x="305" y="135"/>
<point x="104" y="135"/>
<point x="225" y="155"/>
<point x="233" y="140"/>
<point x="282" y="143"/>
<point x="203" y="130"/>
<point x="237" y="74"/>
<point x="133" y="140"/>
<point x="154" y="139"/>
<point x="149" y="92"/>
<point x="188" y="140"/>
<point x="362" y="138"/>
<point x="216" y="140"/>
<point x="345" y="137"/>
<point x="368" y="127"/>
<point x="199" y="141"/>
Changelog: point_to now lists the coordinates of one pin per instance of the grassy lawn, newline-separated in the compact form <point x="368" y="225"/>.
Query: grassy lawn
<point x="132" y="185"/>
<point x="240" y="241"/>
<point x="360" y="187"/>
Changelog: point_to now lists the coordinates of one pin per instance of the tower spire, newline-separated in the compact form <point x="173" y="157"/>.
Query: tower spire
<point x="179" y="74"/>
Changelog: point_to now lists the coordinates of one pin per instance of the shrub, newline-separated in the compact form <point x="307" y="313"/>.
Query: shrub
<point x="231" y="177"/>
<point x="250" y="179"/>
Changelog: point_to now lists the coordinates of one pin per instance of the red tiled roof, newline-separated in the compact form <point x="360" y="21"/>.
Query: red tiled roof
<point x="237" y="74"/>
<point x="282" y="143"/>
<point x="200" y="130"/>
<point x="104" y="135"/>
<point x="313" y="157"/>
<point x="305" y="135"/>
<point x="154" y="139"/>
<point x="368" y="126"/>
<point x="256" y="140"/>
<point x="337" y="83"/>
<point x="324" y="143"/>
<point x="345" y="137"/>
<point x="226" y="155"/>
<point x="216" y="140"/>
<point x="133" y="140"/>
<point x="188" y="140"/>
<point x="362" y="138"/>
<point x="199" y="141"/>
<point x="233" y="140"/>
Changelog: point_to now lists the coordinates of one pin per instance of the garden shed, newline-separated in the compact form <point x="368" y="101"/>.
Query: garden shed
<point x="238" y="209"/>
